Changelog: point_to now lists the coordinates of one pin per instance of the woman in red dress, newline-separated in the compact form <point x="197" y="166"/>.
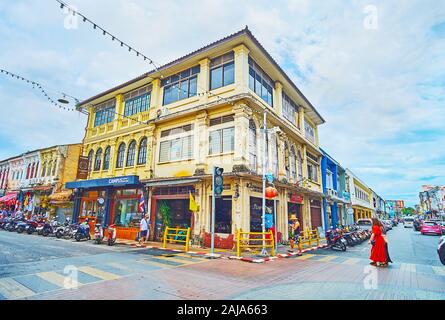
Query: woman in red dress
<point x="378" y="250"/>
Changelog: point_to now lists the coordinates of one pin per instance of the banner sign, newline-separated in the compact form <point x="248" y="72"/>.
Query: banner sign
<point x="82" y="168"/>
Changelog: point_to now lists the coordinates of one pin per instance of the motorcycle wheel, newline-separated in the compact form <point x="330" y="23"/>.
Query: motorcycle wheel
<point x="20" y="230"/>
<point x="342" y="246"/>
<point x="78" y="237"/>
<point x="59" y="234"/>
<point x="30" y="231"/>
<point x="45" y="233"/>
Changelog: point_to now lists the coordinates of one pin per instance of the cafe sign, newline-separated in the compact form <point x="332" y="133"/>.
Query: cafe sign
<point x="82" y="168"/>
<point x="296" y="198"/>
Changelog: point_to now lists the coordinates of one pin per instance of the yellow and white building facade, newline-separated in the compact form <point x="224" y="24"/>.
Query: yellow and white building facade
<point x="157" y="138"/>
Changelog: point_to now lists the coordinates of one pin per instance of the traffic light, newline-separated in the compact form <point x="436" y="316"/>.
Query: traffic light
<point x="218" y="181"/>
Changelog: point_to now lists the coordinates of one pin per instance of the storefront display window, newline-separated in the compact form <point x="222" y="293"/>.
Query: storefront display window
<point x="223" y="214"/>
<point x="126" y="213"/>
<point x="256" y="212"/>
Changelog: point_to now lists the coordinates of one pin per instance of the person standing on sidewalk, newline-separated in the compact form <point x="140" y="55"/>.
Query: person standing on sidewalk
<point x="144" y="229"/>
<point x="295" y="229"/>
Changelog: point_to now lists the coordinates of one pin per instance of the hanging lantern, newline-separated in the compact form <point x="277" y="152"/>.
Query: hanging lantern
<point x="271" y="192"/>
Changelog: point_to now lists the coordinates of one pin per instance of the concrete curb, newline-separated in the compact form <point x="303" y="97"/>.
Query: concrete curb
<point x="175" y="250"/>
<point x="278" y="256"/>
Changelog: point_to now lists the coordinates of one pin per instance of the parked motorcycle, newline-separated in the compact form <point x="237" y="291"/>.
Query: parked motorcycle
<point x="65" y="230"/>
<point x="83" y="232"/>
<point x="98" y="233"/>
<point x="111" y="235"/>
<point x="335" y="240"/>
<point x="50" y="227"/>
<point x="33" y="225"/>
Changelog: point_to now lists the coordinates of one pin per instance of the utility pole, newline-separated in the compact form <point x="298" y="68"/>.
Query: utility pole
<point x="263" y="217"/>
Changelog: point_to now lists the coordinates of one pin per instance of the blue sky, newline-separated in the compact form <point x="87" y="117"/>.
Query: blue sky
<point x="381" y="90"/>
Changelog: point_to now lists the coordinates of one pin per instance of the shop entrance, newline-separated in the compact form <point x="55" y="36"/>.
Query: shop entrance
<point x="316" y="214"/>
<point x="172" y="212"/>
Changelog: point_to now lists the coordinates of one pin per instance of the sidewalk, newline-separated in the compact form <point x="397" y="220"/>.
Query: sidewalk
<point x="253" y="257"/>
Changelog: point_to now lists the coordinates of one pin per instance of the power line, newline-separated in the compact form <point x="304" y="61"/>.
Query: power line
<point x="39" y="87"/>
<point x="106" y="33"/>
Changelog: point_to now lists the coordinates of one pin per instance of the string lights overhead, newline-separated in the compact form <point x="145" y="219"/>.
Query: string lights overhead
<point x="39" y="87"/>
<point x="106" y="33"/>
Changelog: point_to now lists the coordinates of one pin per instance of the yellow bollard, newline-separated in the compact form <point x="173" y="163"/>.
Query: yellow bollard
<point x="165" y="237"/>
<point x="272" y="252"/>
<point x="187" y="240"/>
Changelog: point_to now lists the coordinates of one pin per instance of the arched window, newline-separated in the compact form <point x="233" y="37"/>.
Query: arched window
<point x="274" y="155"/>
<point x="54" y="167"/>
<point x="37" y="169"/>
<point x="28" y="171"/>
<point x="131" y="153"/>
<point x="107" y="158"/>
<point x="286" y="161"/>
<point x="48" y="169"/>
<point x="142" y="154"/>
<point x="252" y="146"/>
<point x="120" y="156"/>
<point x="299" y="166"/>
<point x="31" y="175"/>
<point x="90" y="160"/>
<point x="44" y="169"/>
<point x="292" y="163"/>
<point x="98" y="160"/>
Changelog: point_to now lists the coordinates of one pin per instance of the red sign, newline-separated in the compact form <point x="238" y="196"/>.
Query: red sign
<point x="296" y="198"/>
<point x="82" y="168"/>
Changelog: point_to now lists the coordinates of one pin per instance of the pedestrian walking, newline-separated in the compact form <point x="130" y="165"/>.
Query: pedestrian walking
<point x="388" y="258"/>
<point x="295" y="232"/>
<point x="144" y="229"/>
<point x="379" y="256"/>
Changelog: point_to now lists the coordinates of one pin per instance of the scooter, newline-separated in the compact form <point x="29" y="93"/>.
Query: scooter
<point x="63" y="231"/>
<point x="50" y="227"/>
<point x="98" y="233"/>
<point x="335" y="240"/>
<point x="83" y="232"/>
<point x="111" y="235"/>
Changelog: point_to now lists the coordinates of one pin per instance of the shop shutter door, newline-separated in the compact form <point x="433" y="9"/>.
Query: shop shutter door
<point x="316" y="217"/>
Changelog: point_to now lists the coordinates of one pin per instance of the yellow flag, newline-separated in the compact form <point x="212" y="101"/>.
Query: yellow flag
<point x="193" y="206"/>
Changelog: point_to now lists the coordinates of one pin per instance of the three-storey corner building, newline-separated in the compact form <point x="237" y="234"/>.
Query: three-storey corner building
<point x="160" y="135"/>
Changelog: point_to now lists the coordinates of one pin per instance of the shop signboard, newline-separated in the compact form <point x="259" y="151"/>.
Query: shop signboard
<point x="82" y="168"/>
<point x="296" y="198"/>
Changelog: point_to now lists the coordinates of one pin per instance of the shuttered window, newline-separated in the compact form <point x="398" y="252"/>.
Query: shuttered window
<point x="222" y="141"/>
<point x="176" y="149"/>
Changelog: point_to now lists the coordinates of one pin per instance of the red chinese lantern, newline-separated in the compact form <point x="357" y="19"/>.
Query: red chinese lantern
<point x="271" y="192"/>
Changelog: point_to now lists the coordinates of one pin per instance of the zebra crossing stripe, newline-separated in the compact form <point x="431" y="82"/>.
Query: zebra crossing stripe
<point x="306" y="256"/>
<point x="57" y="279"/>
<point x="439" y="270"/>
<point x="181" y="261"/>
<point x="408" y="267"/>
<point x="99" y="273"/>
<point x="327" y="258"/>
<point x="351" y="261"/>
<point x="11" y="289"/>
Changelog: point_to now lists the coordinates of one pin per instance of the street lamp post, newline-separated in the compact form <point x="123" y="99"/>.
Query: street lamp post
<point x="263" y="213"/>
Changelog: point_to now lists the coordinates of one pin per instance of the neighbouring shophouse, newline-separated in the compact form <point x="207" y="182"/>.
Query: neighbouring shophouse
<point x="7" y="196"/>
<point x="160" y="135"/>
<point x="361" y="197"/>
<point x="36" y="180"/>
<point x="432" y="200"/>
<point x="334" y="188"/>
<point x="378" y="205"/>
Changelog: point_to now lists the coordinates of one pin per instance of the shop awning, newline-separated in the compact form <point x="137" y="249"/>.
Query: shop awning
<point x="176" y="182"/>
<point x="63" y="196"/>
<point x="9" y="197"/>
